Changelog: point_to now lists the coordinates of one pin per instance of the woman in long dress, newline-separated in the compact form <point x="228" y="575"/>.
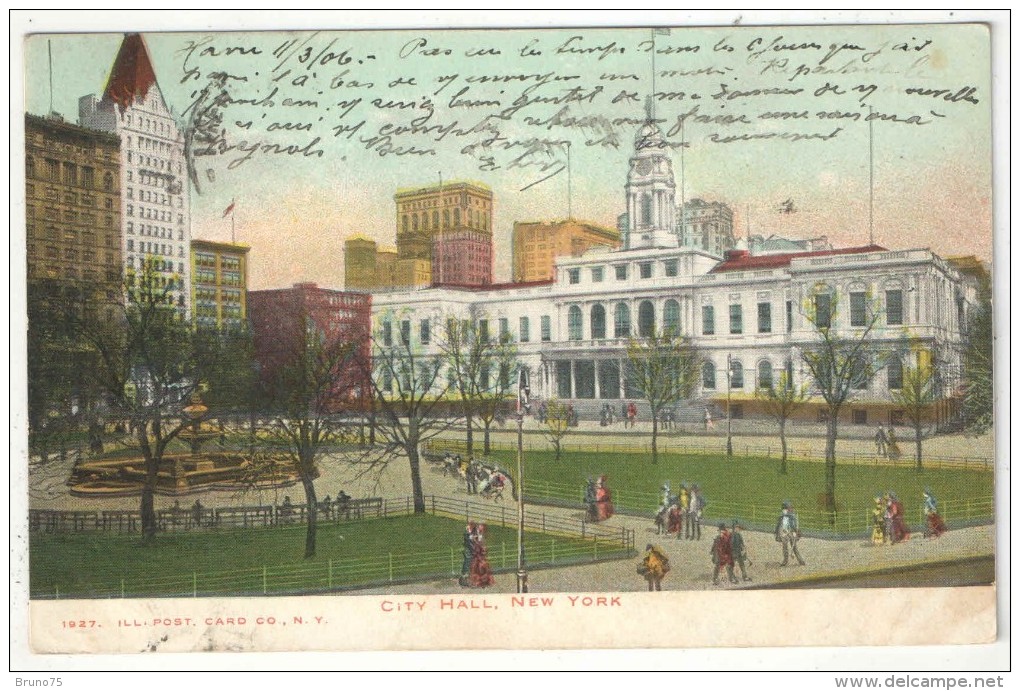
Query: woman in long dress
<point x="878" y="522"/>
<point x="480" y="573"/>
<point x="603" y="500"/>
<point x="899" y="529"/>
<point x="935" y="526"/>
<point x="892" y="448"/>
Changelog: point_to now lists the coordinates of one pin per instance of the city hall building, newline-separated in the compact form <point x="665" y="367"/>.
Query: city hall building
<point x="745" y="314"/>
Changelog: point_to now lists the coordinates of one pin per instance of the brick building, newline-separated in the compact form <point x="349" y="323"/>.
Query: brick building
<point x="536" y="244"/>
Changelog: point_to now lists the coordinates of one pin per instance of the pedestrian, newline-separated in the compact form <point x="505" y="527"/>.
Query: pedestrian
<point x="722" y="555"/>
<point x="709" y="425"/>
<point x="878" y="522"/>
<point x="469" y="552"/>
<point x="196" y="513"/>
<point x="471" y="477"/>
<point x="892" y="449"/>
<point x="880" y="441"/>
<point x="695" y="511"/>
<point x="739" y="548"/>
<point x="934" y="525"/>
<point x="788" y="532"/>
<point x="623" y="413"/>
<point x="654" y="567"/>
<point x="632" y="414"/>
<point x="685" y="515"/>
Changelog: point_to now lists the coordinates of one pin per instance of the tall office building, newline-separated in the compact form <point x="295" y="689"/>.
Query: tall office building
<point x="219" y="287"/>
<point x="537" y="244"/>
<point x="155" y="195"/>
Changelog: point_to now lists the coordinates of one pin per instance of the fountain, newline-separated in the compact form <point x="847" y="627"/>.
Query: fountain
<point x="181" y="474"/>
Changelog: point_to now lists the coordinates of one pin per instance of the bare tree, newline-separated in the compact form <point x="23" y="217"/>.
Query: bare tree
<point x="916" y="396"/>
<point x="664" y="369"/>
<point x="145" y="365"/>
<point x="841" y="361"/>
<point x="411" y="399"/>
<point x="316" y="375"/>
<point x="781" y="400"/>
<point x="557" y="424"/>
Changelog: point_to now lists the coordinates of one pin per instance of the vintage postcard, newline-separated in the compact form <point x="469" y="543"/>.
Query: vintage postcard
<point x="509" y="338"/>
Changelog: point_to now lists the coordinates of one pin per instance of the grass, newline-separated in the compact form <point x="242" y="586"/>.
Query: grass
<point x="94" y="565"/>
<point x="733" y="486"/>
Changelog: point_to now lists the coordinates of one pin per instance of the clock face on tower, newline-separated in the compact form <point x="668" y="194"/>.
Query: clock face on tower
<point x="643" y="167"/>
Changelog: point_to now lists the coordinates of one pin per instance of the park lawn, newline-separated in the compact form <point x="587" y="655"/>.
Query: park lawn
<point x="752" y="489"/>
<point x="248" y="561"/>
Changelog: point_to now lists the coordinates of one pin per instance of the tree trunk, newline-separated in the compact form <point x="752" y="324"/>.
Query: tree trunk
<point x="830" y="465"/>
<point x="556" y="445"/>
<point x="371" y="427"/>
<point x="486" y="447"/>
<point x="782" y="442"/>
<point x="148" y="508"/>
<point x="416" y="487"/>
<point x="470" y="434"/>
<point x="312" y="507"/>
<point x="917" y="442"/>
<point x="655" y="437"/>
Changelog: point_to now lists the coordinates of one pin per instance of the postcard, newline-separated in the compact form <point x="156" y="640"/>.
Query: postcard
<point x="431" y="338"/>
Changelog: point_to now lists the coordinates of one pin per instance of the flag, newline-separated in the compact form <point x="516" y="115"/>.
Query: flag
<point x="229" y="210"/>
<point x="787" y="207"/>
<point x="523" y="390"/>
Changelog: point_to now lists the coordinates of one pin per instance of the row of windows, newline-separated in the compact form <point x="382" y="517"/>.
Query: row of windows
<point x="155" y="248"/>
<point x="68" y="173"/>
<point x="505" y="335"/>
<point x="622" y="320"/>
<point x="426" y="221"/>
<point x="736" y="325"/>
<point x="645" y="270"/>
<point x="150" y="197"/>
<point x="893" y="369"/>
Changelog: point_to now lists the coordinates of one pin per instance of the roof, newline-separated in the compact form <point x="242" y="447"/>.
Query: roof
<point x="61" y="126"/>
<point x="217" y="245"/>
<point x="446" y="186"/>
<point x="132" y="75"/>
<point x="743" y="262"/>
<point x="495" y="286"/>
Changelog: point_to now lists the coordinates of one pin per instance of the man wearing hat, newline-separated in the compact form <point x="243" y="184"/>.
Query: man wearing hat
<point x="739" y="549"/>
<point x="788" y="532"/>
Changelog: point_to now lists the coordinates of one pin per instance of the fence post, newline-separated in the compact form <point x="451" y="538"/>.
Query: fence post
<point x="390" y="554"/>
<point x="433" y="505"/>
<point x="264" y="580"/>
<point x="194" y="584"/>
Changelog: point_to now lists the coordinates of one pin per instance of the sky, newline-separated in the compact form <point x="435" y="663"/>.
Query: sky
<point x="932" y="182"/>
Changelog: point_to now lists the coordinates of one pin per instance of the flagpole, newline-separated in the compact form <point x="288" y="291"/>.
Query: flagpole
<point x="522" y="574"/>
<point x="871" y="177"/>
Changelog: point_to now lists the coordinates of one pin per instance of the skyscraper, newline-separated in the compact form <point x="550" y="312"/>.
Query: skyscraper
<point x="155" y="195"/>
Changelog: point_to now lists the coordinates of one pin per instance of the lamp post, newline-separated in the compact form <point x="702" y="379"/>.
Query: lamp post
<point x="523" y="394"/>
<point x="729" y="418"/>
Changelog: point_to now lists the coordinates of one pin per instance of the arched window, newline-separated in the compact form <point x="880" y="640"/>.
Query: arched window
<point x="424" y="220"/>
<point x="30" y="167"/>
<point x="446" y="218"/>
<point x="598" y="321"/>
<point x="646" y="209"/>
<point x="621" y="321"/>
<point x="108" y="181"/>
<point x="574" y="325"/>
<point x="895" y="373"/>
<point x="736" y="374"/>
<point x="485" y="221"/>
<point x="708" y="376"/>
<point x="404" y="223"/>
<point x="671" y="316"/>
<point x="435" y="219"/>
<point x="646" y="319"/>
<point x="764" y="374"/>
<point x="456" y="217"/>
<point x="414" y="222"/>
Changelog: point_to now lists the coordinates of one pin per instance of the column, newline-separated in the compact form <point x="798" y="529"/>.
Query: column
<point x="598" y="392"/>
<point x="573" y="379"/>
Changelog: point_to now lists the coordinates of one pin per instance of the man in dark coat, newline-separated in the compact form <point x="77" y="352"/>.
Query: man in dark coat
<point x="722" y="555"/>
<point x="739" y="549"/>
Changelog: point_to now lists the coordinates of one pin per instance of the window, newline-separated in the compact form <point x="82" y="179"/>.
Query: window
<point x="70" y="174"/>
<point x="52" y="169"/>
<point x="860" y="417"/>
<point x="387" y="334"/>
<point x="483" y="378"/>
<point x="563" y="379"/>
<point x="645" y="269"/>
<point x="764" y="374"/>
<point x="646" y="319"/>
<point x="504" y="330"/>
<point x="708" y="376"/>
<point x="736" y="319"/>
<point x="405" y="332"/>
<point x="671" y="267"/>
<point x="894" y="307"/>
<point x="789" y="374"/>
<point x="789" y="316"/>
<point x="525" y="330"/>
<point x="858" y="309"/>
<point x="598" y="321"/>
<point x="707" y="320"/>
<point x="546" y="328"/>
<point x="671" y="317"/>
<point x="736" y="374"/>
<point x="574" y="326"/>
<point x="597" y="274"/>
<point x="764" y="317"/>
<point x="621" y="321"/>
<point x="646" y="209"/>
<point x="387" y="380"/>
<point x="621" y="272"/>
<point x="894" y="370"/>
<point x="574" y="275"/>
<point x="823" y="311"/>
<point x="483" y="330"/>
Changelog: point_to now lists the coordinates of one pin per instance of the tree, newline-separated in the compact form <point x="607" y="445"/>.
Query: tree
<point x="557" y="423"/>
<point x="664" y="370"/>
<point x="145" y="366"/>
<point x="226" y="357"/>
<point x="978" y="355"/>
<point x="840" y="362"/>
<point x="410" y="397"/>
<point x="315" y="374"/>
<point x="781" y="400"/>
<point x="916" y="397"/>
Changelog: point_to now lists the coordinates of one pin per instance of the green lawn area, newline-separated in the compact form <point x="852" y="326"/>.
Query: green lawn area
<point x="270" y="560"/>
<point x="752" y="489"/>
